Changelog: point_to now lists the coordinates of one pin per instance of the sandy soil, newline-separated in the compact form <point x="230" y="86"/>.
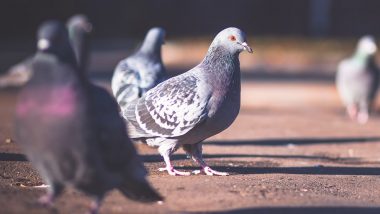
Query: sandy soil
<point x="291" y="150"/>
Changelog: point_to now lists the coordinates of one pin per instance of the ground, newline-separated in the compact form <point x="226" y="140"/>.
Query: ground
<point x="291" y="150"/>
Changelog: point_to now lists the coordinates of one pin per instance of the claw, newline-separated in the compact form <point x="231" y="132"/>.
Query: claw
<point x="196" y="172"/>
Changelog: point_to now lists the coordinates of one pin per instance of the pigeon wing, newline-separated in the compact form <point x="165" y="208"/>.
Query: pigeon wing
<point x="171" y="109"/>
<point x="125" y="83"/>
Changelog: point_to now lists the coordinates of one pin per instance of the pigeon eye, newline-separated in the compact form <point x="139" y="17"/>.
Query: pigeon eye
<point x="232" y="38"/>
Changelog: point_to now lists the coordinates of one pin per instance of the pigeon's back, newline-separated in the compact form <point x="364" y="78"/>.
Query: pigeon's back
<point x="140" y="72"/>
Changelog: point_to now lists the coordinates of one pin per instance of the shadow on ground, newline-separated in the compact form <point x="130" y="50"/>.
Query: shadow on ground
<point x="294" y="141"/>
<point x="340" y="160"/>
<point x="12" y="157"/>
<point x="303" y="210"/>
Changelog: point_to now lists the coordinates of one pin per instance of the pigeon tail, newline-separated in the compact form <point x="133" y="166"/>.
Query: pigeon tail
<point x="140" y="191"/>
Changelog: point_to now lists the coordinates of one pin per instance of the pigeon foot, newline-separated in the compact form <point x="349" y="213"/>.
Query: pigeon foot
<point x="208" y="171"/>
<point x="46" y="200"/>
<point x="173" y="171"/>
<point x="362" y="118"/>
<point x="94" y="207"/>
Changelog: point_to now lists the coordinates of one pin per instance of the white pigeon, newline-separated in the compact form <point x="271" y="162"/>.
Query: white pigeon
<point x="135" y="75"/>
<point x="357" y="80"/>
<point x="186" y="109"/>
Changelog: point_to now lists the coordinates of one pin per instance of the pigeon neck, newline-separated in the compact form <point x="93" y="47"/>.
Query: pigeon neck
<point x="219" y="60"/>
<point x="361" y="57"/>
<point x="151" y="48"/>
<point x="79" y="43"/>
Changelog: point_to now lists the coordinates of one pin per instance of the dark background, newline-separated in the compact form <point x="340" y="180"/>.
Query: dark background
<point x="131" y="18"/>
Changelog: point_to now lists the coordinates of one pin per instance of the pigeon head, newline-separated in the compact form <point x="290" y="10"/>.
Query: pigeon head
<point x="79" y="23"/>
<point x="53" y="38"/>
<point x="79" y="28"/>
<point x="367" y="45"/>
<point x="154" y="39"/>
<point x="233" y="39"/>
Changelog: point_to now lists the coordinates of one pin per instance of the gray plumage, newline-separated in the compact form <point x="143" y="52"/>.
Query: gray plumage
<point x="186" y="109"/>
<point x="71" y="130"/>
<point x="135" y="75"/>
<point x="357" y="80"/>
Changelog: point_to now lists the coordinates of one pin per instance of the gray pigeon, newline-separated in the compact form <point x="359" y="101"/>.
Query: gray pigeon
<point x="135" y="75"/>
<point x="357" y="80"/>
<point x="79" y="29"/>
<point x="186" y="109"/>
<point x="71" y="130"/>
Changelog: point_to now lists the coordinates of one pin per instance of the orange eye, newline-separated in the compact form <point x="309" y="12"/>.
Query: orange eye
<point x="232" y="38"/>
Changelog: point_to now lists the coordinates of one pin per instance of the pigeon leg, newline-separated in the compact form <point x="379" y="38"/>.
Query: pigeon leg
<point x="195" y="151"/>
<point x="352" y="112"/>
<point x="363" y="114"/>
<point x="169" y="167"/>
<point x="363" y="117"/>
<point x="95" y="205"/>
<point x="47" y="200"/>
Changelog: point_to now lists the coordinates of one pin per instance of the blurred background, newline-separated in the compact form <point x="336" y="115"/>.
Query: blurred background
<point x="292" y="39"/>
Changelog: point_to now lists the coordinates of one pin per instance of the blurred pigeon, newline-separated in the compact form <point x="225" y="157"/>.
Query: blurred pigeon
<point x="135" y="75"/>
<point x="186" y="109"/>
<point x="71" y="130"/>
<point x="79" y="28"/>
<point x="357" y="80"/>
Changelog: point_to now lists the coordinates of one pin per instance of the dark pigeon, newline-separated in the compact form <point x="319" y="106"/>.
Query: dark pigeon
<point x="137" y="74"/>
<point x="71" y="130"/>
<point x="186" y="109"/>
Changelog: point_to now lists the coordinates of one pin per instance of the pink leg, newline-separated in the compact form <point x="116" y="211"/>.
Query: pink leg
<point x="46" y="200"/>
<point x="206" y="169"/>
<point x="95" y="206"/>
<point x="352" y="111"/>
<point x="363" y="117"/>
<point x="169" y="167"/>
<point x="195" y="151"/>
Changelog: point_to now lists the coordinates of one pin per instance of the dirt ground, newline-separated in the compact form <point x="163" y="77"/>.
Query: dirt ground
<point x="291" y="150"/>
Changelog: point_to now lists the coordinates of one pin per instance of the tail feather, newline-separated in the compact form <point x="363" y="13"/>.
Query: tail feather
<point x="140" y="191"/>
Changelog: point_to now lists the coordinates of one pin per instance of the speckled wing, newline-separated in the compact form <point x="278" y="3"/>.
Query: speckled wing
<point x="125" y="83"/>
<point x="171" y="109"/>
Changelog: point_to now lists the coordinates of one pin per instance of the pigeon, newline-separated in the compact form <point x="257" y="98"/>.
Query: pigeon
<point x="71" y="130"/>
<point x="135" y="75"/>
<point x="186" y="109"/>
<point x="79" y="28"/>
<point x="357" y="80"/>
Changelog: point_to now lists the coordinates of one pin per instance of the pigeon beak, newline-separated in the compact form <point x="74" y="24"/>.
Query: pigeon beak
<point x="246" y="47"/>
<point x="43" y="44"/>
